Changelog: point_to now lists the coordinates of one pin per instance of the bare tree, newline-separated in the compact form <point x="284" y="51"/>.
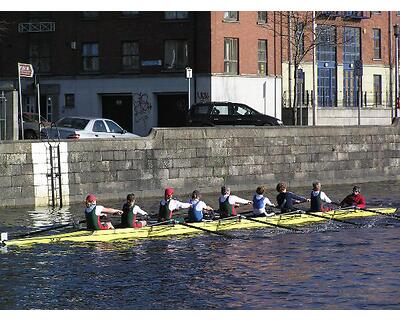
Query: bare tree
<point x="302" y="31"/>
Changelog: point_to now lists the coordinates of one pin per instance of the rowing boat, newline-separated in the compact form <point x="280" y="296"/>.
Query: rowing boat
<point x="157" y="231"/>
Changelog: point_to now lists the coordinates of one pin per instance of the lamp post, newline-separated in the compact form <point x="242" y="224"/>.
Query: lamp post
<point x="396" y="89"/>
<point x="188" y="76"/>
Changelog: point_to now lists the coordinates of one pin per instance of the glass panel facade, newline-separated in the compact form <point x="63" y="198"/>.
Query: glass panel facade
<point x="351" y="53"/>
<point x="326" y="66"/>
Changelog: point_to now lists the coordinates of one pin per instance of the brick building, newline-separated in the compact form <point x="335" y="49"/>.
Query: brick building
<point x="129" y="66"/>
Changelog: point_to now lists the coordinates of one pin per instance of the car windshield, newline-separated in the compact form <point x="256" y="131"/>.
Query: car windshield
<point x="75" y="123"/>
<point x="114" y="128"/>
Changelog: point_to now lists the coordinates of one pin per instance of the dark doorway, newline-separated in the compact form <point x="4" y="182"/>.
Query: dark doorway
<point x="172" y="110"/>
<point x="119" y="109"/>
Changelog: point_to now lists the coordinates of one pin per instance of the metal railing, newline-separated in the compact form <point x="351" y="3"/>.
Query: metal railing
<point x="36" y="27"/>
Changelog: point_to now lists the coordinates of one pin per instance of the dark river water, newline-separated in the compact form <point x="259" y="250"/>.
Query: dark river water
<point x="329" y="266"/>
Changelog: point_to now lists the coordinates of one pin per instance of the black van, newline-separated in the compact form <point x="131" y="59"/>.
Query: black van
<point x="228" y="113"/>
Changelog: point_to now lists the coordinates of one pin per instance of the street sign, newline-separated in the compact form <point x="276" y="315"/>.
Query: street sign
<point x="25" y="70"/>
<point x="188" y="73"/>
<point x="358" y="68"/>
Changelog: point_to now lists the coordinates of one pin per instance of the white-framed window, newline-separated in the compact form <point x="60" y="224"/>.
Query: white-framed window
<point x="262" y="17"/>
<point x="231" y="56"/>
<point x="262" y="57"/>
<point x="130" y="55"/>
<point x="30" y="104"/>
<point x="175" y="54"/>
<point x="231" y="16"/>
<point x="90" y="56"/>
<point x="176" y="15"/>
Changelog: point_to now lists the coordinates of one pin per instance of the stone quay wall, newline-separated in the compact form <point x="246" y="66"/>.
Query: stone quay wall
<point x="199" y="158"/>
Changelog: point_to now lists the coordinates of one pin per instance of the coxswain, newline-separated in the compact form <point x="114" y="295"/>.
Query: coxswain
<point x="168" y="205"/>
<point x="260" y="202"/>
<point x="195" y="212"/>
<point x="286" y="199"/>
<point x="228" y="202"/>
<point x="130" y="213"/>
<point x="95" y="215"/>
<point x="355" y="199"/>
<point x="318" y="198"/>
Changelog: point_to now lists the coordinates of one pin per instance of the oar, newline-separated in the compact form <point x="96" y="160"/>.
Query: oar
<point x="48" y="229"/>
<point x="271" y="224"/>
<point x="206" y="230"/>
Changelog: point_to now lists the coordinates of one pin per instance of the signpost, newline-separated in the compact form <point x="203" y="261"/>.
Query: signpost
<point x="25" y="70"/>
<point x="358" y="72"/>
<point x="188" y="76"/>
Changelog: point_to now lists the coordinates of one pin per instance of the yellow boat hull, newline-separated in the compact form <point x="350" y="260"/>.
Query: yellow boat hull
<point x="178" y="229"/>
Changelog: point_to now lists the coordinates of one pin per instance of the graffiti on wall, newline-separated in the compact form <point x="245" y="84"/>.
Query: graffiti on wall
<point x="203" y="96"/>
<point x="141" y="107"/>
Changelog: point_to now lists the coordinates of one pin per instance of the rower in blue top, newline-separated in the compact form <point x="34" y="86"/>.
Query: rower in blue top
<point x="260" y="202"/>
<point x="195" y="213"/>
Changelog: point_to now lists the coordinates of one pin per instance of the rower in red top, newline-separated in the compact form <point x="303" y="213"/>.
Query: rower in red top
<point x="168" y="205"/>
<point x="354" y="199"/>
<point x="94" y="213"/>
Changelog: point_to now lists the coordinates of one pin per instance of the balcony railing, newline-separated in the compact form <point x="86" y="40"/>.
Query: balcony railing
<point x="345" y="14"/>
<point x="36" y="27"/>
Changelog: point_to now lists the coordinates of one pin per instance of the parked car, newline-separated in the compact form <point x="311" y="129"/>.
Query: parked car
<point x="85" y="128"/>
<point x="31" y="124"/>
<point x="228" y="113"/>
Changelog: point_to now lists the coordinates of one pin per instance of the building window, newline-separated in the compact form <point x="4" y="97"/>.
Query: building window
<point x="231" y="53"/>
<point x="129" y="13"/>
<point x="49" y="108"/>
<point x="39" y="56"/>
<point x="262" y="17"/>
<point x="377" y="89"/>
<point x="377" y="43"/>
<point x="300" y="38"/>
<point x="90" y="56"/>
<point x="29" y="104"/>
<point x="376" y="12"/>
<point x="90" y="14"/>
<point x="176" y="15"/>
<point x="69" y="100"/>
<point x="351" y="53"/>
<point x="231" y="16"/>
<point x="175" y="54"/>
<point x="326" y="66"/>
<point x="397" y="13"/>
<point x="262" y="57"/>
<point x="130" y="55"/>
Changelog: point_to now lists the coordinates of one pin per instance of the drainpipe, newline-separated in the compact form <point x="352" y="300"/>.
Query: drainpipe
<point x="390" y="64"/>
<point x="290" y="60"/>
<point x="314" y="102"/>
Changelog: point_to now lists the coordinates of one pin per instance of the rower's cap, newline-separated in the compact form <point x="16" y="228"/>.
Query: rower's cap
<point x="356" y="189"/>
<point x="169" y="192"/>
<point x="91" y="198"/>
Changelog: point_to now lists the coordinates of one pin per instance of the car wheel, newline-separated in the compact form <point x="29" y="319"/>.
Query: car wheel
<point x="30" y="134"/>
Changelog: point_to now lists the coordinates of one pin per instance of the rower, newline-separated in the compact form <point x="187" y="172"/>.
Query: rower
<point x="130" y="212"/>
<point x="286" y="199"/>
<point x="354" y="199"/>
<point x="94" y="215"/>
<point x="228" y="202"/>
<point x="260" y="202"/>
<point x="195" y="212"/>
<point x="168" y="205"/>
<point x="318" y="198"/>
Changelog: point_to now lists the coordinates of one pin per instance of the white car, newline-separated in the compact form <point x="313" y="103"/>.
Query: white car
<point x="85" y="128"/>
